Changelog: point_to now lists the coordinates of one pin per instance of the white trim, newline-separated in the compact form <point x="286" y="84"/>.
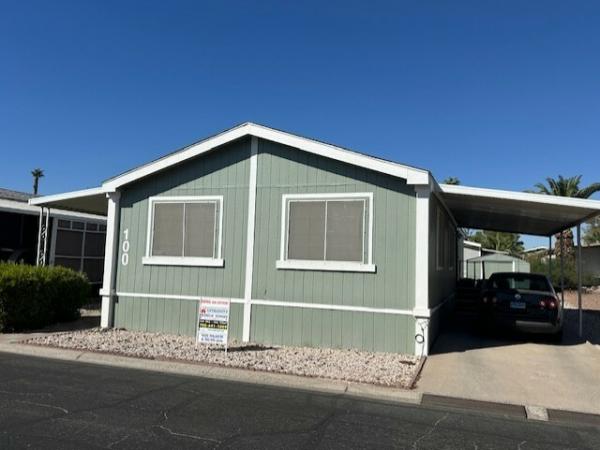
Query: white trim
<point x="521" y="196"/>
<point x="194" y="298"/>
<point x="423" y="203"/>
<point x="328" y="306"/>
<point x="411" y="174"/>
<point x="326" y="265"/>
<point x="252" y="182"/>
<point x="303" y="305"/>
<point x="33" y="210"/>
<point x="334" y="266"/>
<point x="217" y="261"/>
<point x="182" y="261"/>
<point x="110" y="259"/>
<point x="66" y="196"/>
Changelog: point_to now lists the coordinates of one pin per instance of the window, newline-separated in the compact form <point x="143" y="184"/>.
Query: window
<point x="79" y="246"/>
<point x="441" y="238"/>
<point x="184" y="231"/>
<point x="327" y="232"/>
<point x="451" y="252"/>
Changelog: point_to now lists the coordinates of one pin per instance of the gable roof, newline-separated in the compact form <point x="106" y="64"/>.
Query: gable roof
<point x="412" y="175"/>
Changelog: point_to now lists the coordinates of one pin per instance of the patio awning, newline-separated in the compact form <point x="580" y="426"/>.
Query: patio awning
<point x="92" y="201"/>
<point x="516" y="212"/>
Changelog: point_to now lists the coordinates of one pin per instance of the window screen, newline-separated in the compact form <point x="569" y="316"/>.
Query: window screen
<point x="187" y="229"/>
<point x="94" y="244"/>
<point x="326" y="230"/>
<point x="345" y="230"/>
<point x="306" y="235"/>
<point x="200" y="229"/>
<point x="68" y="243"/>
<point x="167" y="236"/>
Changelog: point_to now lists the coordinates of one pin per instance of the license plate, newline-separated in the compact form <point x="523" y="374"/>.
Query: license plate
<point x="517" y="305"/>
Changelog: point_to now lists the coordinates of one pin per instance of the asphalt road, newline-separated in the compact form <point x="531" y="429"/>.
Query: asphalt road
<point x="63" y="405"/>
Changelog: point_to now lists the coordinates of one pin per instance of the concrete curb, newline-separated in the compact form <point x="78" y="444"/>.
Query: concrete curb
<point x="335" y="387"/>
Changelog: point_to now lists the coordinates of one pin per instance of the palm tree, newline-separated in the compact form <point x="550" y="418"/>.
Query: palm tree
<point x="451" y="180"/>
<point x="566" y="187"/>
<point x="37" y="174"/>
<point x="495" y="240"/>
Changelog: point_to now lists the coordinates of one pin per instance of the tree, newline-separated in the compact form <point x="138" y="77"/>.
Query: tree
<point x="566" y="187"/>
<point x="591" y="234"/>
<point x="37" y="174"/>
<point x="496" y="240"/>
<point x="451" y="180"/>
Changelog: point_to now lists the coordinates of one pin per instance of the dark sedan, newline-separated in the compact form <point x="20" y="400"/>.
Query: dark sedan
<point x="525" y="301"/>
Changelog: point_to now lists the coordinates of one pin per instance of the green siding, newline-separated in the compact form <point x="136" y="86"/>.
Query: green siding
<point x="224" y="172"/>
<point x="333" y="329"/>
<point x="285" y="170"/>
<point x="168" y="316"/>
<point x="281" y="170"/>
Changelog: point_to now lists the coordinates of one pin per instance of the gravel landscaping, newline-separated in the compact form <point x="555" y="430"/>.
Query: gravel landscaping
<point x="388" y="369"/>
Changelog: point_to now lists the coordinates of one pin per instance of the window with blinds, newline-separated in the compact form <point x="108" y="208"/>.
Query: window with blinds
<point x="326" y="229"/>
<point x="184" y="229"/>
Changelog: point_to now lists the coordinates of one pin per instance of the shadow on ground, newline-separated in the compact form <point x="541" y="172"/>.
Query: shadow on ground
<point x="462" y="331"/>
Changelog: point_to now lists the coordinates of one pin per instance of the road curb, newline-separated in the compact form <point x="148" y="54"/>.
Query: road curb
<point x="335" y="387"/>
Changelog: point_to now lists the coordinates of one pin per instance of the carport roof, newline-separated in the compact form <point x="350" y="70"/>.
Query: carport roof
<point x="515" y="212"/>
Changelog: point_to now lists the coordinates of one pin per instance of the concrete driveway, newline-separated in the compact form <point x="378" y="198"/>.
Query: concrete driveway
<point x="514" y="369"/>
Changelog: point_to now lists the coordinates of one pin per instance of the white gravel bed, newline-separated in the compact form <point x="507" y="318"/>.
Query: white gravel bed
<point x="389" y="369"/>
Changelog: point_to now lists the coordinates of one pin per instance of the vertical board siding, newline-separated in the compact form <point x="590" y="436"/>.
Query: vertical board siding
<point x="333" y="329"/>
<point x="224" y="172"/>
<point x="168" y="316"/>
<point x="441" y="282"/>
<point x="285" y="170"/>
<point x="281" y="170"/>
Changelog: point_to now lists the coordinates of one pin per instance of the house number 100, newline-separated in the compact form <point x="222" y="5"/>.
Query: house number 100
<point x="125" y="248"/>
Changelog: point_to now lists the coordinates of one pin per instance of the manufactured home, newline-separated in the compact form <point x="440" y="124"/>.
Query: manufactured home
<point x="314" y="245"/>
<point x="75" y="239"/>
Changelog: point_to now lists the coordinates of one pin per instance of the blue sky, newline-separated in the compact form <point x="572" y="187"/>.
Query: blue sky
<point x="499" y="94"/>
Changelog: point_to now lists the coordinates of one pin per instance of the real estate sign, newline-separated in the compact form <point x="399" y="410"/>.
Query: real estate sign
<point x="213" y="321"/>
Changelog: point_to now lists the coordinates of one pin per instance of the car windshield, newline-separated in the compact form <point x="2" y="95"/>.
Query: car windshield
<point x="520" y="281"/>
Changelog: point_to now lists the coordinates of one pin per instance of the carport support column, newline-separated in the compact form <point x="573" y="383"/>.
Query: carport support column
<point x="579" y="276"/>
<point x="111" y="253"/>
<point x="421" y="311"/>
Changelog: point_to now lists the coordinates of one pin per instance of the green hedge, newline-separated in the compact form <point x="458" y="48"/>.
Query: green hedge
<point x="32" y="297"/>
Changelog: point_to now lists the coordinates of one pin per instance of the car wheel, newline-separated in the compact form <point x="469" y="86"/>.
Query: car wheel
<point x="557" y="337"/>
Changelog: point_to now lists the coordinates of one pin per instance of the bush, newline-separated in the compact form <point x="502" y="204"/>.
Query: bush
<point x="539" y="265"/>
<point x="33" y="297"/>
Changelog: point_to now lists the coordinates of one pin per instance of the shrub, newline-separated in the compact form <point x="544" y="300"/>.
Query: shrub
<point x="33" y="297"/>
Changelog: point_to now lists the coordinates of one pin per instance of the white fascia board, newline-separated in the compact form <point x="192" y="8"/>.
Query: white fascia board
<point x="44" y="200"/>
<point x="410" y="174"/>
<point x="474" y="244"/>
<point x="521" y="196"/>
<point x="24" y="208"/>
<point x="18" y="207"/>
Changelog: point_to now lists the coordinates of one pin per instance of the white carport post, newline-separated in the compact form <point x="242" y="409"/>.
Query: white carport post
<point x="579" y="270"/>
<point x="110" y="260"/>
<point x="550" y="258"/>
<point x="562" y="270"/>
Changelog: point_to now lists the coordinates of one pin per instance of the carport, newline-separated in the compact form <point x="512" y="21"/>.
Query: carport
<point x="524" y="213"/>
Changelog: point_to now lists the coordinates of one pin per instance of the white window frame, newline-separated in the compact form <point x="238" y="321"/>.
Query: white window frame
<point x="218" y="261"/>
<point x="338" y="266"/>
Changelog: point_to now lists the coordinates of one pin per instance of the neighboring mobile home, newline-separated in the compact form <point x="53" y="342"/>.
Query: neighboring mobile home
<point x="315" y="245"/>
<point x="75" y="239"/>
